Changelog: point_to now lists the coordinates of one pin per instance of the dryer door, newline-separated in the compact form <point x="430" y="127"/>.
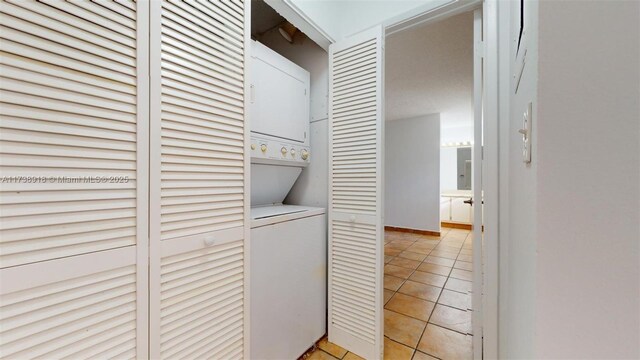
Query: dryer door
<point x="279" y="96"/>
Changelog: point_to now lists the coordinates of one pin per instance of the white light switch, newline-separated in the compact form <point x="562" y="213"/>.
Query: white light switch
<point x="527" y="119"/>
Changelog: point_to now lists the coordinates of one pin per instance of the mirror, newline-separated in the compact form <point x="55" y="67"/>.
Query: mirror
<point x="455" y="168"/>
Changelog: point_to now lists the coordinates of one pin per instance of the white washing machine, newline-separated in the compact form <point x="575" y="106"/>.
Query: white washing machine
<point x="288" y="249"/>
<point x="288" y="280"/>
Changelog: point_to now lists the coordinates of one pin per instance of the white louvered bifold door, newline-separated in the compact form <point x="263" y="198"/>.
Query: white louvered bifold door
<point x="73" y="190"/>
<point x="198" y="182"/>
<point x="356" y="120"/>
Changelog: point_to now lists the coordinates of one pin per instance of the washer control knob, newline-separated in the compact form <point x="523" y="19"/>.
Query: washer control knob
<point x="253" y="146"/>
<point x="263" y="147"/>
<point x="305" y="154"/>
<point x="293" y="152"/>
<point x="283" y="151"/>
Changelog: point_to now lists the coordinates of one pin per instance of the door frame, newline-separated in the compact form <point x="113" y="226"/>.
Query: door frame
<point x="476" y="298"/>
<point x="247" y="181"/>
<point x="490" y="169"/>
<point x="142" y="177"/>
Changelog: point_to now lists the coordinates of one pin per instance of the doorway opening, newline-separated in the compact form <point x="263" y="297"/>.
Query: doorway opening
<point x="428" y="200"/>
<point x="358" y="158"/>
<point x="287" y="117"/>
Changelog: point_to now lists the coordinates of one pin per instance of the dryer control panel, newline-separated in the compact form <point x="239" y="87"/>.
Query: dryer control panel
<point x="265" y="150"/>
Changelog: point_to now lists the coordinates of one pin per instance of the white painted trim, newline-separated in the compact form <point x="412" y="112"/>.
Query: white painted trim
<point x="155" y="15"/>
<point x="490" y="174"/>
<point x="359" y="218"/>
<point x="142" y="181"/>
<point x="476" y="295"/>
<point x="185" y="244"/>
<point x="490" y="163"/>
<point x="429" y="13"/>
<point x="247" y="182"/>
<point x="29" y="276"/>
<point x="381" y="188"/>
<point x="504" y="88"/>
<point x="308" y="212"/>
<point x="297" y="17"/>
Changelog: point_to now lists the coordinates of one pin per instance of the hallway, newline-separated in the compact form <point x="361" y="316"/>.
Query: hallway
<point x="427" y="298"/>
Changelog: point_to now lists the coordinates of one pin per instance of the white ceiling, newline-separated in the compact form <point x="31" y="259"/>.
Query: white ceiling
<point x="429" y="69"/>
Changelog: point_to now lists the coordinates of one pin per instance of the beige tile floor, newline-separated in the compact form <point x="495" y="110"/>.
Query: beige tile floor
<point x="427" y="287"/>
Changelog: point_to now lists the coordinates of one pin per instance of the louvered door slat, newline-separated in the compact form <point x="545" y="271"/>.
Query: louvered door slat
<point x="75" y="21"/>
<point x="208" y="23"/>
<point x="216" y="11"/>
<point x="176" y="45"/>
<point x="202" y="299"/>
<point x="39" y="101"/>
<point x="189" y="34"/>
<point x="82" y="13"/>
<point x="355" y="217"/>
<point x="26" y="12"/>
<point x="118" y="8"/>
<point x="204" y="133"/>
<point x="98" y="8"/>
<point x="43" y="37"/>
<point x="43" y="80"/>
<point x="51" y="117"/>
<point x="22" y="45"/>
<point x="73" y="156"/>
<point x="198" y="204"/>
<point x="68" y="306"/>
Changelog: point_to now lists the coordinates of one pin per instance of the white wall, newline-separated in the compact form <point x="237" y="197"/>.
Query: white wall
<point x="518" y="190"/>
<point x="412" y="173"/>
<point x="570" y="258"/>
<point x="456" y="134"/>
<point x="448" y="168"/>
<point x="588" y="138"/>
<point x="311" y="188"/>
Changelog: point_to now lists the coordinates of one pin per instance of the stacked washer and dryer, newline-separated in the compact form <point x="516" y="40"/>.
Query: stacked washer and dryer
<point x="288" y="251"/>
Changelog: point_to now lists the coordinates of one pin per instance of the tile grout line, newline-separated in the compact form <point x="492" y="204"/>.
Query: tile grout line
<point x="439" y="294"/>
<point x="434" y="309"/>
<point x="415" y="349"/>
<point x="467" y="293"/>
<point x="403" y="282"/>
